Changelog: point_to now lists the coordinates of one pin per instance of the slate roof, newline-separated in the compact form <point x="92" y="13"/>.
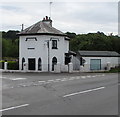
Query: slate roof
<point x="41" y="28"/>
<point x="98" y="54"/>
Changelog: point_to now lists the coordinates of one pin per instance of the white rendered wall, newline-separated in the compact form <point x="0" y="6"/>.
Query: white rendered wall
<point x="76" y="63"/>
<point x="104" y="60"/>
<point x="41" y="50"/>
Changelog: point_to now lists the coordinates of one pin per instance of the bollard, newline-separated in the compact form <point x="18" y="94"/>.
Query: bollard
<point x="70" y="67"/>
<point x="5" y="65"/>
<point x="25" y="67"/>
<point x="57" y="68"/>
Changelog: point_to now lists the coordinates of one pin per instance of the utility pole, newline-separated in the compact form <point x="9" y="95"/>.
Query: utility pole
<point x="48" y="55"/>
<point x="50" y="3"/>
<point x="22" y="27"/>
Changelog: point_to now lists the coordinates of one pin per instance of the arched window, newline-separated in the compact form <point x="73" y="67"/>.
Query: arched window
<point x="54" y="62"/>
<point x="23" y="60"/>
<point x="39" y="64"/>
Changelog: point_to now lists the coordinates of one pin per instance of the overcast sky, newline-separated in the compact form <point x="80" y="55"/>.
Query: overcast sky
<point x="79" y="16"/>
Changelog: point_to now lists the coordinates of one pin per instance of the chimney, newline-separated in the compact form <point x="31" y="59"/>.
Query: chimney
<point x="47" y="20"/>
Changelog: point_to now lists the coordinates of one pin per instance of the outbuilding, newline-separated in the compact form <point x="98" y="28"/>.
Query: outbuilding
<point x="96" y="60"/>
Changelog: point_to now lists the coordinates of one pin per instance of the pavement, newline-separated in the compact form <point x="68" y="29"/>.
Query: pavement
<point x="60" y="94"/>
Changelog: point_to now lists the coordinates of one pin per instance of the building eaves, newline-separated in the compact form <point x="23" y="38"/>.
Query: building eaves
<point x="98" y="54"/>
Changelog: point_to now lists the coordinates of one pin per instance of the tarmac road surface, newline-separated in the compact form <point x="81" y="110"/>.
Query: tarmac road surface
<point x="60" y="94"/>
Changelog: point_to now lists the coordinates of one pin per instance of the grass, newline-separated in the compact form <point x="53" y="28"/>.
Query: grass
<point x="112" y="70"/>
<point x="115" y="70"/>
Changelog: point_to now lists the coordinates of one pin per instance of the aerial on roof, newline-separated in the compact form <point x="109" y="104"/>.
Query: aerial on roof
<point x="41" y="28"/>
<point x="99" y="53"/>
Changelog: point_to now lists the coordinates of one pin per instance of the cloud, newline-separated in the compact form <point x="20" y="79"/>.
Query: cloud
<point x="85" y="17"/>
<point x="79" y="17"/>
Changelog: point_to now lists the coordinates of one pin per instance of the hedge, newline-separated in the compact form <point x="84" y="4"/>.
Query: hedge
<point x="13" y="65"/>
<point x="2" y="64"/>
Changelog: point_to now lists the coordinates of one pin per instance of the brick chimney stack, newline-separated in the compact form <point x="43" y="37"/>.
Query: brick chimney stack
<point x="47" y="20"/>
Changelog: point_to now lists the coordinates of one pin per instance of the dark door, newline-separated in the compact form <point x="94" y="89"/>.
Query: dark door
<point x="31" y="64"/>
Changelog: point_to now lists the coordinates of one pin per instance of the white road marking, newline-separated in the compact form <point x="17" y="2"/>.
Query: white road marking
<point x="58" y="79"/>
<point x="2" y="77"/>
<point x="13" y="78"/>
<point x="64" y="79"/>
<point x="41" y="81"/>
<point x="86" y="91"/>
<point x="83" y="77"/>
<point x="100" y="75"/>
<point x="88" y="76"/>
<point x="15" y="107"/>
<point x="71" y="78"/>
<point x="103" y="75"/>
<point x="78" y="77"/>
<point x="23" y="85"/>
<point x="50" y="81"/>
<point x="17" y="78"/>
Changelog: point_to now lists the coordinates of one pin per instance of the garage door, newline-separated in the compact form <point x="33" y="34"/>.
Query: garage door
<point x="95" y="64"/>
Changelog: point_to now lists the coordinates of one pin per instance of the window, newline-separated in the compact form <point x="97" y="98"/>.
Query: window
<point x="31" y="38"/>
<point x="54" y="44"/>
<point x="82" y="61"/>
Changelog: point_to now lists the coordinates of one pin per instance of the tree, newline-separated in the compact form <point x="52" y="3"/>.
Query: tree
<point x="95" y="41"/>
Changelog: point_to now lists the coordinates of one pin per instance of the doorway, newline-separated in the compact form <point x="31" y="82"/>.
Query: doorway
<point x="31" y="64"/>
<point x="54" y="62"/>
<point x="23" y="60"/>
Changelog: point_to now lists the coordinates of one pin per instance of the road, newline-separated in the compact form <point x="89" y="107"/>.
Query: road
<point x="60" y="94"/>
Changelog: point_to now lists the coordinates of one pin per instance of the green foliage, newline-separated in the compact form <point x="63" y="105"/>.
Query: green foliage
<point x="2" y="64"/>
<point x="113" y="70"/>
<point x="12" y="65"/>
<point x="91" y="41"/>
<point x="71" y="35"/>
<point x="11" y="34"/>
<point x="10" y="43"/>
<point x="9" y="48"/>
<point x="94" y="42"/>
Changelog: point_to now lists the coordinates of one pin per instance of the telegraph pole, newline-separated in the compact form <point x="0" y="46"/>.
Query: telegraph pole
<point x="22" y="27"/>
<point x="50" y="3"/>
<point x="48" y="55"/>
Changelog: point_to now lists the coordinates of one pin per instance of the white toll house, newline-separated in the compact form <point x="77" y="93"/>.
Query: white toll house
<point x="43" y="47"/>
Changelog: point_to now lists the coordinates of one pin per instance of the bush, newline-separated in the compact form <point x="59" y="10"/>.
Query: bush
<point x="13" y="65"/>
<point x="114" y="70"/>
<point x="2" y="64"/>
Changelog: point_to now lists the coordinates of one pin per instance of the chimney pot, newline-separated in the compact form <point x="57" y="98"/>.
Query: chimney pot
<point x="47" y="20"/>
<point x="46" y="17"/>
